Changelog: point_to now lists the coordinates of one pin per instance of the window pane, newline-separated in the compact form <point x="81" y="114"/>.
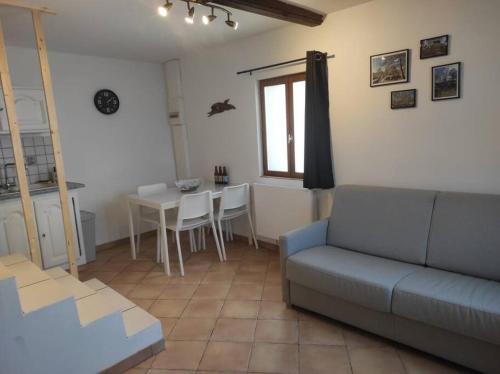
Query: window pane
<point x="299" y="104"/>
<point x="276" y="130"/>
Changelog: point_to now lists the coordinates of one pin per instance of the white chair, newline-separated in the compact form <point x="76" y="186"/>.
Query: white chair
<point x="195" y="211"/>
<point x="234" y="203"/>
<point x="150" y="215"/>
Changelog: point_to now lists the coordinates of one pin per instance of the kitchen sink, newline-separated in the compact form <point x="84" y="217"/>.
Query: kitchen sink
<point x="41" y="185"/>
<point x="33" y="187"/>
<point x="13" y="189"/>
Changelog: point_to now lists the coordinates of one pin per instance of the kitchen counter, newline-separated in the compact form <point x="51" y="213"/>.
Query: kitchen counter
<point x="40" y="189"/>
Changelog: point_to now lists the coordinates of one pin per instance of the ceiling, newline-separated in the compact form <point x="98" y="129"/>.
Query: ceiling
<point x="131" y="29"/>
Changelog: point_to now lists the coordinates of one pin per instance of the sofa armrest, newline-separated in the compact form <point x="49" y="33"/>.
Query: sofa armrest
<point x="309" y="236"/>
<point x="294" y="241"/>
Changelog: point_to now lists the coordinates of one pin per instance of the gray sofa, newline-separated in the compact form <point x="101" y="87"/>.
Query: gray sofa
<point x="419" y="267"/>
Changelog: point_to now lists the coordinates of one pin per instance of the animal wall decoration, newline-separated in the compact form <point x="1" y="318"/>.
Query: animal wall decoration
<point x="220" y="107"/>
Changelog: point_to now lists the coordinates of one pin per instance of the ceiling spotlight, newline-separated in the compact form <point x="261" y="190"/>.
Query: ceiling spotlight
<point x="207" y="19"/>
<point x="190" y="17"/>
<point x="231" y="23"/>
<point x="163" y="9"/>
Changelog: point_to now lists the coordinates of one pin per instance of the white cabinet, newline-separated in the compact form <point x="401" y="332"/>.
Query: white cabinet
<point x="31" y="110"/>
<point x="13" y="237"/>
<point x="51" y="231"/>
<point x="48" y="215"/>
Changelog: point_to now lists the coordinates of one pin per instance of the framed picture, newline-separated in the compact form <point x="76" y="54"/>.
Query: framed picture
<point x="446" y="81"/>
<point x="389" y="68"/>
<point x="403" y="99"/>
<point x="434" y="47"/>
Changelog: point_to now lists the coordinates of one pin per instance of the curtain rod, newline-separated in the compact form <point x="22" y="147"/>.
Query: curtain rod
<point x="250" y="71"/>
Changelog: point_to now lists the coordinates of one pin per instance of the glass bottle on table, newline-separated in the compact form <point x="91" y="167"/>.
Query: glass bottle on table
<point x="225" y="176"/>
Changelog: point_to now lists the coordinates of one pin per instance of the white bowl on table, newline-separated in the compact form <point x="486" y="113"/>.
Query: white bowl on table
<point x="188" y="185"/>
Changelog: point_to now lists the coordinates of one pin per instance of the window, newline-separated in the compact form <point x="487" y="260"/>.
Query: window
<point x="282" y="102"/>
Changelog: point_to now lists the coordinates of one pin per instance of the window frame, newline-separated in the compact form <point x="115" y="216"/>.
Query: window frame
<point x="288" y="81"/>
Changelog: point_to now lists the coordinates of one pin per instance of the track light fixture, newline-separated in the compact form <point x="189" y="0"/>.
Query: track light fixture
<point x="190" y="17"/>
<point x="163" y="11"/>
<point x="210" y="18"/>
<point x="231" y="23"/>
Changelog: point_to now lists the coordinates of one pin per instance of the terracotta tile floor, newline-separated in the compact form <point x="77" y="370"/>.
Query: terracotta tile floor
<point x="229" y="318"/>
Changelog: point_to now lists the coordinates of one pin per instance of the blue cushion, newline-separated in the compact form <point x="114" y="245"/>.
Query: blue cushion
<point x="454" y="302"/>
<point x="355" y="277"/>
<point x="388" y="222"/>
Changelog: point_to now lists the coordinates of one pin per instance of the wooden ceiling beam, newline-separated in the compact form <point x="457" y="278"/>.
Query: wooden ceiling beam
<point x="23" y="5"/>
<point x="276" y="9"/>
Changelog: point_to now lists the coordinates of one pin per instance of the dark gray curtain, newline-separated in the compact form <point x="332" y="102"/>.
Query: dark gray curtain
<point x="318" y="170"/>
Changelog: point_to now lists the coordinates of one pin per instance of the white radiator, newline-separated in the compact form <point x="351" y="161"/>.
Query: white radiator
<point x="281" y="209"/>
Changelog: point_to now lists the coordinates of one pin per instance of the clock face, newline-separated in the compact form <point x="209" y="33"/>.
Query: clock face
<point x="106" y="102"/>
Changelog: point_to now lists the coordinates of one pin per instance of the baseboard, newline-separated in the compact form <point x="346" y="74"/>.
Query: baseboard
<point x="101" y="247"/>
<point x="122" y="241"/>
<point x="262" y="243"/>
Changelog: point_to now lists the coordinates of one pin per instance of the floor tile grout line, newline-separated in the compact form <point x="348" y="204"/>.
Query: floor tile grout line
<point x="348" y="354"/>
<point x="211" y="334"/>
<point x="298" y="343"/>
<point x="202" y="355"/>
<point x="401" y="360"/>
<point x="254" y="335"/>
<point x="219" y="317"/>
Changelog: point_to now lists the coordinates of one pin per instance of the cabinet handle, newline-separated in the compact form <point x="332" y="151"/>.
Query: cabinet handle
<point x="43" y="235"/>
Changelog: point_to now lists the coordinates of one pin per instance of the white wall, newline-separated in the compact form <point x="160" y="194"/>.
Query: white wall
<point x="449" y="145"/>
<point x="114" y="154"/>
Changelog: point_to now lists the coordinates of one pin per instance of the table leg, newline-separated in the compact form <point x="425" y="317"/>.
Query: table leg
<point x="164" y="242"/>
<point x="131" y="228"/>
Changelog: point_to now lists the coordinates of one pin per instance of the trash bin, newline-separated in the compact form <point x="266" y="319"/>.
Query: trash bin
<point x="88" y="228"/>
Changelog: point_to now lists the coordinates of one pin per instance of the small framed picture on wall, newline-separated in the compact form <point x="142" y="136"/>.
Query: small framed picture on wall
<point x="446" y="81"/>
<point x="404" y="99"/>
<point x="434" y="47"/>
<point x="389" y="68"/>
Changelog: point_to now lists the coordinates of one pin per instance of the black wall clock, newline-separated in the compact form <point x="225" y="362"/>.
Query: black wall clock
<point x="106" y="101"/>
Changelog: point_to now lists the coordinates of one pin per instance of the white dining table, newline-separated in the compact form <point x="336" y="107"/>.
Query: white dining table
<point x="161" y="202"/>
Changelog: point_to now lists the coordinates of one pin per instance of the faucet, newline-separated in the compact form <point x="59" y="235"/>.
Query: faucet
<point x="6" y="166"/>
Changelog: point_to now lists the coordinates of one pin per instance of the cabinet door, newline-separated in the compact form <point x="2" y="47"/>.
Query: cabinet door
<point x="13" y="236"/>
<point x="30" y="109"/>
<point x="51" y="231"/>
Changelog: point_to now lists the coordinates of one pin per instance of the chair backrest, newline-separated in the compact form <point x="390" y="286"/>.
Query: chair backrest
<point x="234" y="197"/>
<point x="196" y="205"/>
<point x="151" y="189"/>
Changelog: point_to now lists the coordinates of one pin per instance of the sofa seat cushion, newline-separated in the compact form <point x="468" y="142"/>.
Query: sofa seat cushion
<point x="355" y="277"/>
<point x="458" y="303"/>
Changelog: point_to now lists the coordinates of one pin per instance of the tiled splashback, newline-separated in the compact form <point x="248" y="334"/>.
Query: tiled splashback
<point x="38" y="155"/>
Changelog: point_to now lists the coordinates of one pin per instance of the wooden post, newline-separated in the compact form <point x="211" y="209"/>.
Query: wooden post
<point x="56" y="143"/>
<point x="8" y="93"/>
<point x="21" y="5"/>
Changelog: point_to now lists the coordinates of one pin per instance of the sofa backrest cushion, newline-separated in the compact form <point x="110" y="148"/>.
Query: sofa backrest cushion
<point x="465" y="234"/>
<point x="387" y="222"/>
